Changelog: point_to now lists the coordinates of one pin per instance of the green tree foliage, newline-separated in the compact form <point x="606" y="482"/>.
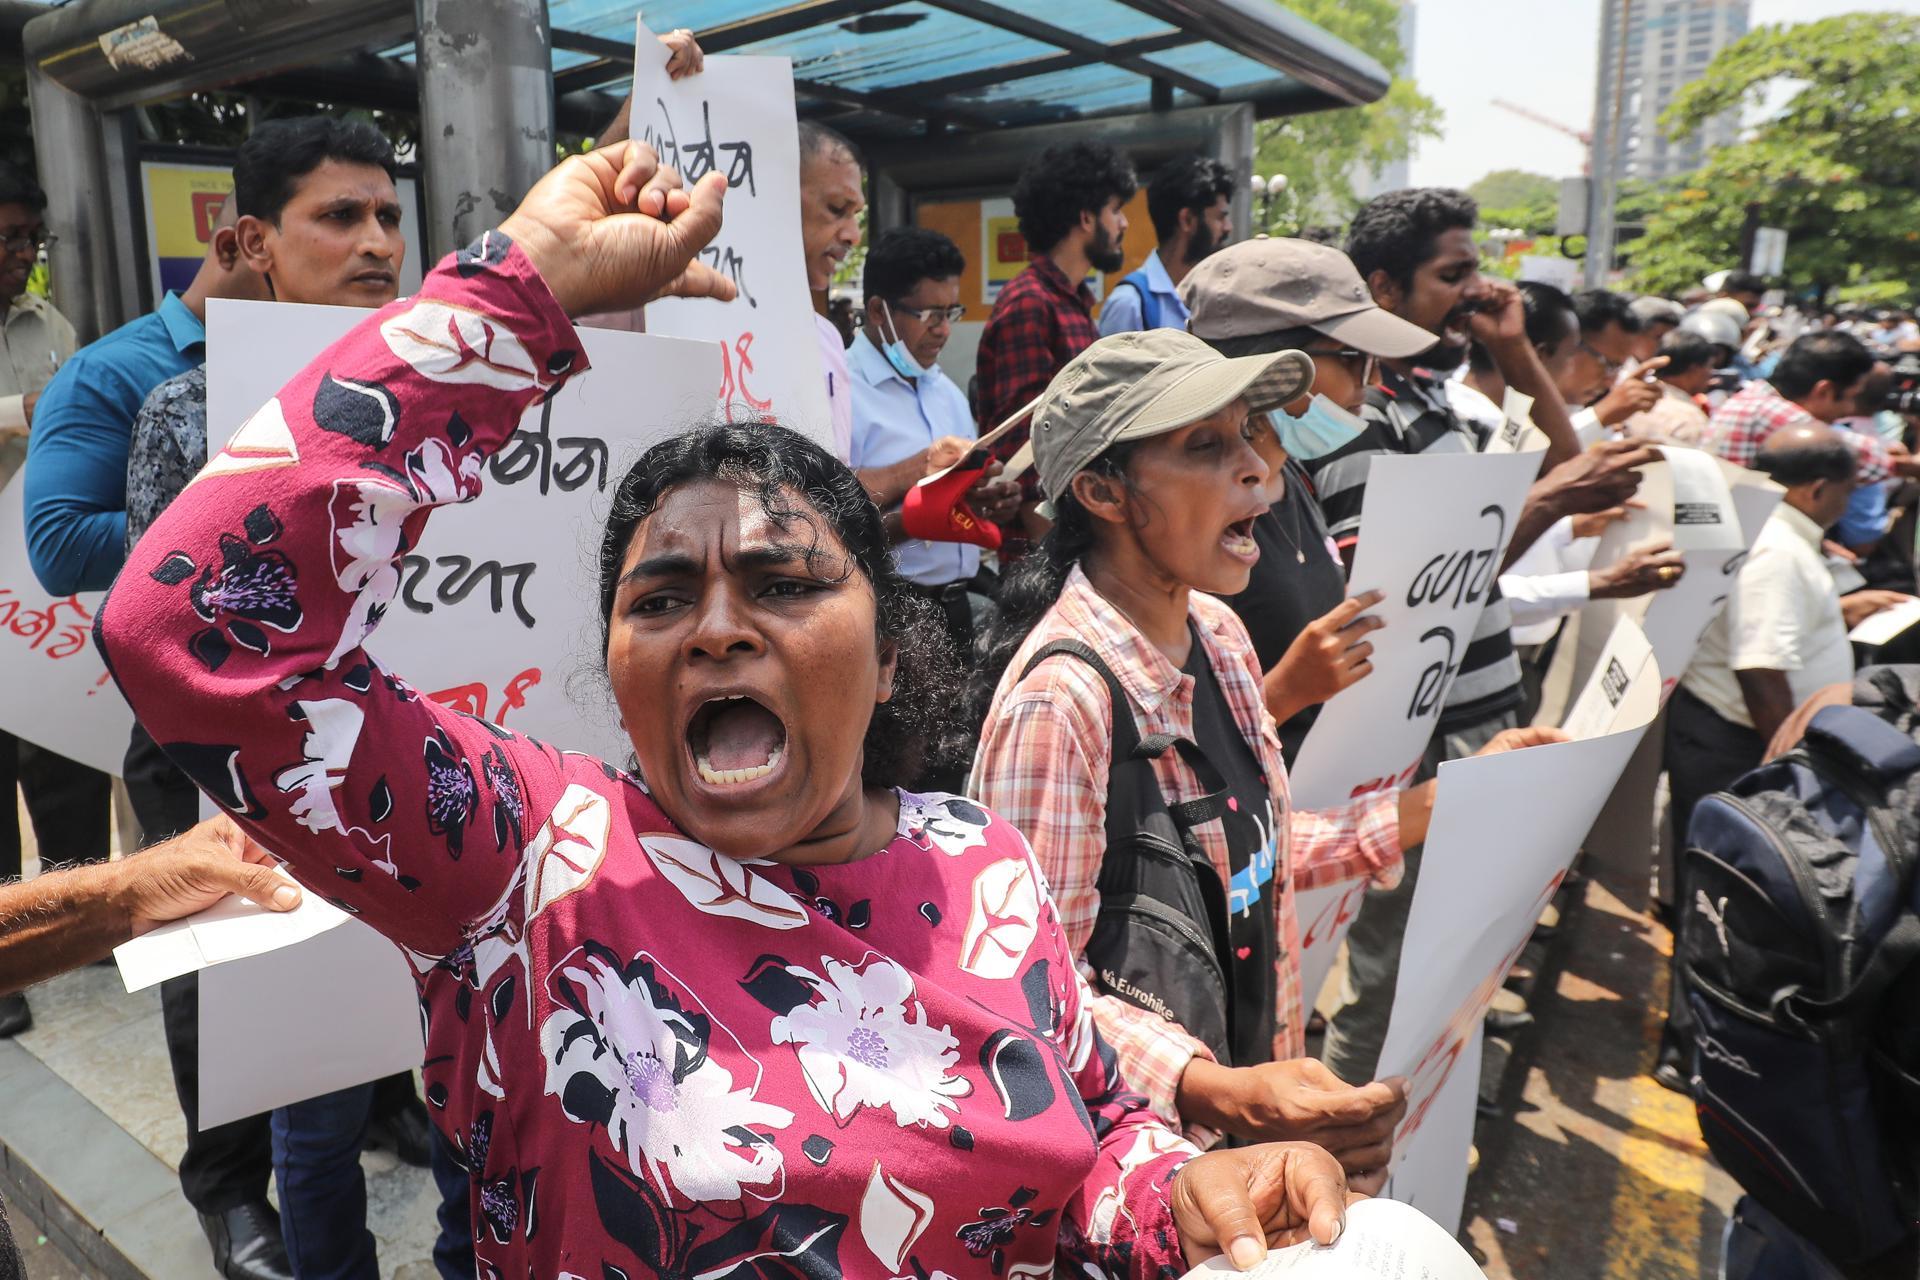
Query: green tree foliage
<point x="1838" y="165"/>
<point x="1516" y="189"/>
<point x="1320" y="153"/>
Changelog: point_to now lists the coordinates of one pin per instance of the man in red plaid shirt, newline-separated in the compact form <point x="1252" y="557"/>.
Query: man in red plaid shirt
<point x="1819" y="377"/>
<point x="1068" y="199"/>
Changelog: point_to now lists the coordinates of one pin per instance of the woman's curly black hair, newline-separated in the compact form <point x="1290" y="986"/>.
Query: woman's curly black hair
<point x="913" y="730"/>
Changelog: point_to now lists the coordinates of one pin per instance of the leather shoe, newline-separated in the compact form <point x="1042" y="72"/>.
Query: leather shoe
<point x="246" y="1243"/>
<point x="404" y="1133"/>
<point x="15" y="1017"/>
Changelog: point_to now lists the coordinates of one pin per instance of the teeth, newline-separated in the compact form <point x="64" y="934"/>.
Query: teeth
<point x="725" y="777"/>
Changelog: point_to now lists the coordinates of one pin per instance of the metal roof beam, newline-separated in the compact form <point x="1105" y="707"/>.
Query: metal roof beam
<point x="1269" y="33"/>
<point x="1049" y="64"/>
<point x="613" y="59"/>
<point x="909" y="106"/>
<point x="995" y="15"/>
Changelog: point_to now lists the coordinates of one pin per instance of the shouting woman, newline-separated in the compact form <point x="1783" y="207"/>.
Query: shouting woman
<point x="750" y="1010"/>
<point x="1129" y="736"/>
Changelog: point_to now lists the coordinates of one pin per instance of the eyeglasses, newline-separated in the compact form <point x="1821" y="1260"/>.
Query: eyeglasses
<point x="32" y="242"/>
<point x="1361" y="364"/>
<point x="930" y="315"/>
<point x="1611" y="366"/>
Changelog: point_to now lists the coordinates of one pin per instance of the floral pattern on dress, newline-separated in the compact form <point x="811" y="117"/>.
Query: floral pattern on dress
<point x="631" y="1059"/>
<point x="654" y="1060"/>
<point x="864" y="1042"/>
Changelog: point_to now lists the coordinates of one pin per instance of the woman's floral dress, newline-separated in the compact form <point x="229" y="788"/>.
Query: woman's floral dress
<point x="652" y="1058"/>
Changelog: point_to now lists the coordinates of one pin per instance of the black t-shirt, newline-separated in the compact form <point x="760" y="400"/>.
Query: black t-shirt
<point x="1298" y="578"/>
<point x="1220" y="740"/>
<point x="1253" y="857"/>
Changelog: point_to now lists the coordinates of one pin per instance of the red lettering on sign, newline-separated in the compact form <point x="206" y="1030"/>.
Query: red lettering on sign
<point x="206" y="211"/>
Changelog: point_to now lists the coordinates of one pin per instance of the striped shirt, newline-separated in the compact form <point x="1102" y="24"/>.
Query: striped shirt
<point x="1412" y="415"/>
<point x="1044" y="754"/>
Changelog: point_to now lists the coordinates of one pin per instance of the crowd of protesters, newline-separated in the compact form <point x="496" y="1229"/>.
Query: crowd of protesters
<point x="1180" y="496"/>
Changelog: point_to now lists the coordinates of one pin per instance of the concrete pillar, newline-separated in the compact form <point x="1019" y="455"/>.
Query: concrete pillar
<point x="1233" y="143"/>
<point x="486" y="112"/>
<point x="86" y="255"/>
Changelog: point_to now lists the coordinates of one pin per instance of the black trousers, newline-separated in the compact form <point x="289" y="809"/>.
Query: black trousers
<point x="230" y="1164"/>
<point x="1705" y="753"/>
<point x="71" y="807"/>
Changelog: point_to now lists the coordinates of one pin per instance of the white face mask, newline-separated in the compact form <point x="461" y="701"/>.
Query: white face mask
<point x="1322" y="429"/>
<point x="895" y="350"/>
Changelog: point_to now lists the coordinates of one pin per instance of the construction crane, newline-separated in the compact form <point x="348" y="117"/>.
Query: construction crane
<point x="1584" y="136"/>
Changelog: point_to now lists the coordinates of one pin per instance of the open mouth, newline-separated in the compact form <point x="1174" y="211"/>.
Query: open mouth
<point x="1238" y="541"/>
<point x="377" y="279"/>
<point x="735" y="740"/>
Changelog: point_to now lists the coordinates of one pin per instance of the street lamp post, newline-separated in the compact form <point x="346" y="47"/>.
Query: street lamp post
<point x="1266" y="191"/>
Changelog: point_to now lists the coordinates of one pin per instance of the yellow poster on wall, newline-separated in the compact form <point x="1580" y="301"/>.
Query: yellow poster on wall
<point x="183" y="202"/>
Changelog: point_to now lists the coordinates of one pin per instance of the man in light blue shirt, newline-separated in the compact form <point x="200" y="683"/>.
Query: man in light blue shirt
<point x="909" y="419"/>
<point x="1189" y="202"/>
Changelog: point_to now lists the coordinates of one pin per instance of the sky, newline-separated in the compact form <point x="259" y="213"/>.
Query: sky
<point x="1539" y="54"/>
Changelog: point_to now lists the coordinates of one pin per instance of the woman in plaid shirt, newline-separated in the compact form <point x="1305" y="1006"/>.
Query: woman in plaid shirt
<point x="1144" y="450"/>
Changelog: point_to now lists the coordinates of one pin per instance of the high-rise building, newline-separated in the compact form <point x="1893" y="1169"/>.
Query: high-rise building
<point x="1649" y="50"/>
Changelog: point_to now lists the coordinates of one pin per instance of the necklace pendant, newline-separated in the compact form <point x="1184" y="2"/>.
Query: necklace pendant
<point x="1299" y="556"/>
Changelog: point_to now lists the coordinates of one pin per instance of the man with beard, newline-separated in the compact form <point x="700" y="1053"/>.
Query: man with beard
<point x="1068" y="200"/>
<point x="1415" y="250"/>
<point x="1188" y="202"/>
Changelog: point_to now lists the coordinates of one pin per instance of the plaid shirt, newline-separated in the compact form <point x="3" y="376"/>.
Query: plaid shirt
<point x="1740" y="426"/>
<point x="1040" y="321"/>
<point x="1044" y="752"/>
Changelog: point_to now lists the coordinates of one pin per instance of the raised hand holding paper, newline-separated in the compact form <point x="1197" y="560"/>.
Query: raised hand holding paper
<point x="737" y="116"/>
<point x="1384" y="1240"/>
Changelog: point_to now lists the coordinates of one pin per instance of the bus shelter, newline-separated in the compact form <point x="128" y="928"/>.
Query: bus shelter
<point x="947" y="98"/>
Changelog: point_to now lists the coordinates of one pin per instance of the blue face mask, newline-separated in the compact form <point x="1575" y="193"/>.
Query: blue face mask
<point x="897" y="354"/>
<point x="1323" y="428"/>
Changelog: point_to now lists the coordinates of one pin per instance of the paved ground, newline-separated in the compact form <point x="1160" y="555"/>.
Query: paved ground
<point x="1592" y="1171"/>
<point x="108" y="1045"/>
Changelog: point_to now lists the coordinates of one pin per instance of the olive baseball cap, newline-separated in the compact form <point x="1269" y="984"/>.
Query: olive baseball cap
<point x="1135" y="385"/>
<point x="1269" y="284"/>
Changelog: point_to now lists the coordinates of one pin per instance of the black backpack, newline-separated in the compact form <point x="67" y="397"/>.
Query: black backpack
<point x="1162" y="925"/>
<point x="1799" y="946"/>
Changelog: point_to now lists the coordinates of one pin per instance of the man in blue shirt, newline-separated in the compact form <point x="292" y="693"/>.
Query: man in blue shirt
<point x="76" y="480"/>
<point x="909" y="419"/>
<point x="1188" y="201"/>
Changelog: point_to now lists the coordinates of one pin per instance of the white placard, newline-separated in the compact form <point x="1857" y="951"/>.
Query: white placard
<point x="335" y="1009"/>
<point x="1516" y="425"/>
<point x="737" y="117"/>
<point x="295" y="1011"/>
<point x="292" y="1004"/>
<point x="1675" y="618"/>
<point x="231" y="929"/>
<point x="514" y="573"/>
<point x="1434" y="529"/>
<point x="1432" y="1174"/>
<point x="1325" y="914"/>
<point x="1505" y="829"/>
<point x="1383" y="1240"/>
<point x="1886" y="624"/>
<point x="1602" y="705"/>
<point x="56" y="693"/>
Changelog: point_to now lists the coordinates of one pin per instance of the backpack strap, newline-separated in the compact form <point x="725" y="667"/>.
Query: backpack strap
<point x="1129" y="745"/>
<point x="1865" y="741"/>
<point x="1149" y="305"/>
